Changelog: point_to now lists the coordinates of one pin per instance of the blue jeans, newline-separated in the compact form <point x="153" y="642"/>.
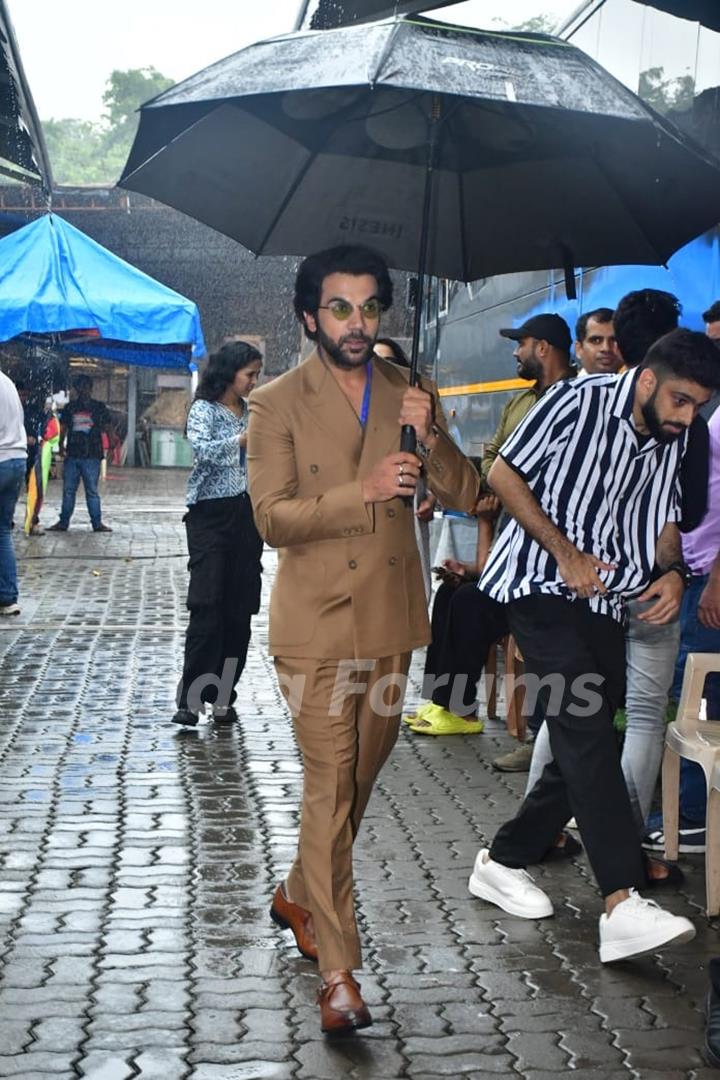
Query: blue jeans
<point x="650" y="653"/>
<point x="89" y="470"/>
<point x="694" y="637"/>
<point x="12" y="477"/>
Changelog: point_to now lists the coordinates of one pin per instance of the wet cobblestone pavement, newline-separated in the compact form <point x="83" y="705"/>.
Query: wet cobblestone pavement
<point x="137" y="862"/>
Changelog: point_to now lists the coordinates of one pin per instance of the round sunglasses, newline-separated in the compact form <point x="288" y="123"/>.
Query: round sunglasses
<point x="343" y="309"/>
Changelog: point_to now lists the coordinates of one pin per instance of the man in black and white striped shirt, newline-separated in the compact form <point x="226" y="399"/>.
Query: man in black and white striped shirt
<point x="589" y="479"/>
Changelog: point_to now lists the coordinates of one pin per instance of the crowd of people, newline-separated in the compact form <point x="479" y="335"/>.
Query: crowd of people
<point x="598" y="549"/>
<point x="596" y="510"/>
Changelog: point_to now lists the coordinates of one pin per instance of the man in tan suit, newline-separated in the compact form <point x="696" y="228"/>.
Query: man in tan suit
<point x="333" y="493"/>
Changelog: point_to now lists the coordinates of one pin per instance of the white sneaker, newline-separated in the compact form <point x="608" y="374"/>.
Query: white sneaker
<point x="512" y="890"/>
<point x="9" y="609"/>
<point x="638" y="926"/>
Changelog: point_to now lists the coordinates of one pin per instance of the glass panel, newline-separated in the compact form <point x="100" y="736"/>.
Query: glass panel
<point x="652" y="52"/>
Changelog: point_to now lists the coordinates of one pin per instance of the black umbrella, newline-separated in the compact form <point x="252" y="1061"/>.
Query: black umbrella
<point x="706" y="12"/>
<point x="461" y="152"/>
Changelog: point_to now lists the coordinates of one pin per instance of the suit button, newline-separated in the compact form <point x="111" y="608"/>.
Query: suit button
<point x="346" y="532"/>
<point x="352" y="564"/>
<point x="390" y="513"/>
<point x="314" y="468"/>
<point x="392" y="560"/>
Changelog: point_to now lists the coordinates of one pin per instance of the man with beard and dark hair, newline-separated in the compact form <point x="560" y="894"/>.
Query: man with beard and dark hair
<point x="651" y="649"/>
<point x="641" y="318"/>
<point x="542" y="352"/>
<point x="334" y="493"/>
<point x="590" y="479"/>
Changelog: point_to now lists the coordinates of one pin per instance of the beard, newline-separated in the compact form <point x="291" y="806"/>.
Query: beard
<point x="334" y="349"/>
<point x="529" y="369"/>
<point x="655" y="426"/>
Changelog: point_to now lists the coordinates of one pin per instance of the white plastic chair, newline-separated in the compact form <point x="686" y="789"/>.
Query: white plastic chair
<point x="696" y="740"/>
<point x="712" y="841"/>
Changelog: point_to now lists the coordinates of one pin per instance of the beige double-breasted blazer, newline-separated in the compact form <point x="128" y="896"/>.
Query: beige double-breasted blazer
<point x="349" y="583"/>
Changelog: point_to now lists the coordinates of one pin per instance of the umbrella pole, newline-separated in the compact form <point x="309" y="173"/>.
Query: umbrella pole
<point x="408" y="438"/>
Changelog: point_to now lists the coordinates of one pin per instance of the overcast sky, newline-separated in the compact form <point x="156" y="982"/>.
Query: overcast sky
<point x="69" y="47"/>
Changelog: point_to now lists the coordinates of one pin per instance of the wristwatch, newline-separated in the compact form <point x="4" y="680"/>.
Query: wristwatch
<point x="680" y="567"/>
<point x="423" y="450"/>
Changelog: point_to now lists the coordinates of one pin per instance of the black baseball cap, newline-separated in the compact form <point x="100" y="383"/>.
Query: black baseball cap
<point x="550" y="328"/>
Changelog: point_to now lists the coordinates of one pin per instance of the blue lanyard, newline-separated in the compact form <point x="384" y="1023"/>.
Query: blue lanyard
<point x="366" y="396"/>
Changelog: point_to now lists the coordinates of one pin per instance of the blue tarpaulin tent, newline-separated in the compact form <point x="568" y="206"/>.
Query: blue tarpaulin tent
<point x="54" y="279"/>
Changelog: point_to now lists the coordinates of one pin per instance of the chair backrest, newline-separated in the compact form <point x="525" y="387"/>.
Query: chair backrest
<point x="714" y="784"/>
<point x="697" y="667"/>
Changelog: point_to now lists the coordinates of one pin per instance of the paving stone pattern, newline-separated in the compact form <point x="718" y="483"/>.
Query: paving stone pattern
<point x="137" y="862"/>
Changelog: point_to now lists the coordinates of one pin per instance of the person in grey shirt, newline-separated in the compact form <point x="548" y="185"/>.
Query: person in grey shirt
<point x="13" y="455"/>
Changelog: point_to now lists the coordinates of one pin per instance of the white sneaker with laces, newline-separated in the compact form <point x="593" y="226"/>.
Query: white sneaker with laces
<point x="9" y="609"/>
<point x="512" y="890"/>
<point x="638" y="926"/>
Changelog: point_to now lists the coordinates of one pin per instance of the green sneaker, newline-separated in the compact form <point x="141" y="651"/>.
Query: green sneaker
<point x="438" y="721"/>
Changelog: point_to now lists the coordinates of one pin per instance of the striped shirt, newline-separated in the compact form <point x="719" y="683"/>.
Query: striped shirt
<point x="609" y="490"/>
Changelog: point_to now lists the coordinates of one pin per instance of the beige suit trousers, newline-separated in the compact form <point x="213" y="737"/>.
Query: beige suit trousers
<point x="346" y="720"/>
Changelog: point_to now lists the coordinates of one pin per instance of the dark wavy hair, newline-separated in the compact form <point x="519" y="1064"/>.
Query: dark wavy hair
<point x="641" y="318"/>
<point x="345" y="259"/>
<point x="222" y="367"/>
<point x="685" y="354"/>
<point x="713" y="313"/>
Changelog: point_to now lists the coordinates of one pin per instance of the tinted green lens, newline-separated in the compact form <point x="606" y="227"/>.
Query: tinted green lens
<point x="341" y="309"/>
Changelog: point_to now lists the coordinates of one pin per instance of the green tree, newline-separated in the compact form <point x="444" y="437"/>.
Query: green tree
<point x="124" y="94"/>
<point x="666" y="95"/>
<point x="82" y="152"/>
<point x="76" y="151"/>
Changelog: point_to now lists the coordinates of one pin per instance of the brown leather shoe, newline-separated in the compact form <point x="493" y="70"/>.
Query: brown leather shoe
<point x="289" y="916"/>
<point x="342" y="1009"/>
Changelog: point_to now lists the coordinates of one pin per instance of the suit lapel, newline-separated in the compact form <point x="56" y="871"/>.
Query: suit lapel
<point x="331" y="410"/>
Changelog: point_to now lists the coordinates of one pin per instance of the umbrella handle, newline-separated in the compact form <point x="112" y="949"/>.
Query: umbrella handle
<point x="408" y="439"/>
<point x="408" y="444"/>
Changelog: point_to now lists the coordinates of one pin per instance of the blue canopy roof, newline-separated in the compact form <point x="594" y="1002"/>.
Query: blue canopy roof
<point x="54" y="278"/>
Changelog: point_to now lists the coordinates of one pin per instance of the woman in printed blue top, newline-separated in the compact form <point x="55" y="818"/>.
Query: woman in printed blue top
<point x="223" y="543"/>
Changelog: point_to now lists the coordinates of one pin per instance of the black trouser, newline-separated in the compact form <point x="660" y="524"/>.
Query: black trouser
<point x="224" y="592"/>
<point x="565" y="642"/>
<point x="465" y="624"/>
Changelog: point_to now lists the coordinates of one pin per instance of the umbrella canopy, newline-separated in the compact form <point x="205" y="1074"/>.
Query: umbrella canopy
<point x="702" y="11"/>
<point x="54" y="279"/>
<point x="317" y="138"/>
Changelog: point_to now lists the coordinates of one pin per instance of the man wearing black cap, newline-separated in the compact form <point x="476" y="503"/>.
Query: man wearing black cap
<point x="543" y="354"/>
